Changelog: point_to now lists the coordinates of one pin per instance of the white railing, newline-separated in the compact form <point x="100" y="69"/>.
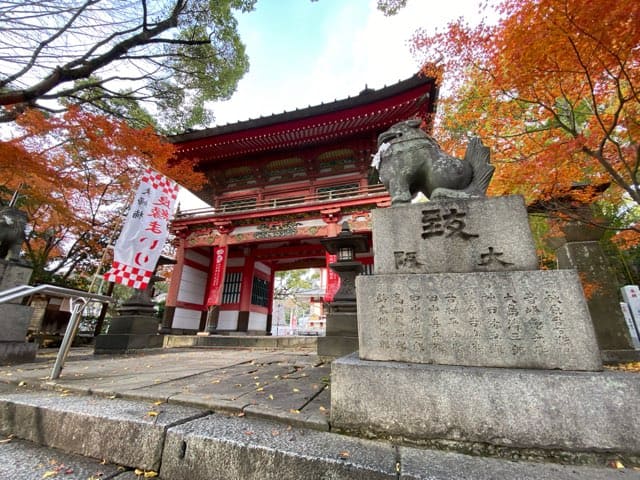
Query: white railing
<point x="279" y="203"/>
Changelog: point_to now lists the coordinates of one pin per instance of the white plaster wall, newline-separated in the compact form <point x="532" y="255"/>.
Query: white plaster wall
<point x="235" y="262"/>
<point x="184" y="318"/>
<point x="194" y="256"/>
<point x="263" y="268"/>
<point x="257" y="321"/>
<point x="193" y="285"/>
<point x="228" y="320"/>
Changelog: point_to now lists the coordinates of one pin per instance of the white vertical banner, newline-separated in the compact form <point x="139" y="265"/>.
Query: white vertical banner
<point x="144" y="232"/>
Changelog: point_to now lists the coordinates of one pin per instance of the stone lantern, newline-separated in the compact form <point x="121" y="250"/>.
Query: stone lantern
<point x="342" y="327"/>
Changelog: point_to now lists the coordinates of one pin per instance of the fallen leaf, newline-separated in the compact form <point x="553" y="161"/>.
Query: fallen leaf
<point x="293" y="410"/>
<point x="138" y="472"/>
<point x="22" y="383"/>
<point x="152" y="414"/>
<point x="270" y="397"/>
<point x="241" y="414"/>
<point x="296" y="390"/>
<point x="150" y="474"/>
<point x="256" y="378"/>
<point x="215" y="381"/>
<point x="322" y="409"/>
<point x="50" y="473"/>
<point x="159" y="402"/>
<point x="616" y="464"/>
<point x="344" y="454"/>
<point x="260" y="389"/>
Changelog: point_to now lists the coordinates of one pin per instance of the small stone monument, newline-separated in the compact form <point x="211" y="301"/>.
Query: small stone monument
<point x="14" y="317"/>
<point x="462" y="341"/>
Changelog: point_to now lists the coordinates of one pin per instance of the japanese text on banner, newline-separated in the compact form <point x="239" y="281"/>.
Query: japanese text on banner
<point x="144" y="232"/>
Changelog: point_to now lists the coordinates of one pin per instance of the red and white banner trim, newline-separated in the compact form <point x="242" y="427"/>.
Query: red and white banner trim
<point x="144" y="232"/>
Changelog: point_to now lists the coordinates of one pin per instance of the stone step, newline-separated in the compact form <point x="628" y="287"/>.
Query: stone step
<point x="189" y="443"/>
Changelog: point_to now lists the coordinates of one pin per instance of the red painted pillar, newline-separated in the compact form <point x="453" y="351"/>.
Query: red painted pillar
<point x="245" y="290"/>
<point x="174" y="286"/>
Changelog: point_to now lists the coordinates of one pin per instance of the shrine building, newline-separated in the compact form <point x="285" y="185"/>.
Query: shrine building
<point x="277" y="185"/>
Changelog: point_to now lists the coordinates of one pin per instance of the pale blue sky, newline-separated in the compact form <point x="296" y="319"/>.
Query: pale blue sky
<point x="303" y="52"/>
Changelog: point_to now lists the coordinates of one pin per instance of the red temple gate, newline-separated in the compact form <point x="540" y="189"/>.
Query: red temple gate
<point x="277" y="185"/>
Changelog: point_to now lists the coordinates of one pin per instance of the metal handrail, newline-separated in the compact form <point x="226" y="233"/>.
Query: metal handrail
<point x="79" y="299"/>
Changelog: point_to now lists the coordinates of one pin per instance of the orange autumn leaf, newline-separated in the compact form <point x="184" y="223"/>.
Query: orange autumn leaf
<point x="75" y="172"/>
<point x="553" y="93"/>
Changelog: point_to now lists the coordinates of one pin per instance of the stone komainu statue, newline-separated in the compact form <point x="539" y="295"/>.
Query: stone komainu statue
<point x="12" y="232"/>
<point x="410" y="161"/>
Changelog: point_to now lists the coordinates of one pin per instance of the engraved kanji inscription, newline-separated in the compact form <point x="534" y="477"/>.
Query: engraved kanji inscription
<point x="440" y="221"/>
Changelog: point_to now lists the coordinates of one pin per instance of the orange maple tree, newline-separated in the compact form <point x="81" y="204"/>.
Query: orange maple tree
<point x="74" y="173"/>
<point x="553" y="88"/>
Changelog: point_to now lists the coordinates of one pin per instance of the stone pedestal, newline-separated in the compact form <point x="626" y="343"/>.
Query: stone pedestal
<point x="341" y="337"/>
<point x="15" y="317"/>
<point x="134" y="328"/>
<point x="462" y="340"/>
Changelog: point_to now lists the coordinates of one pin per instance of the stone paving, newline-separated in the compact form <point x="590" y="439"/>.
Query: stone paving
<point x="203" y="414"/>
<point x="285" y="385"/>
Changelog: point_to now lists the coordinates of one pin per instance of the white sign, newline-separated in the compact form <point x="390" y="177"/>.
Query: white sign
<point x="631" y="295"/>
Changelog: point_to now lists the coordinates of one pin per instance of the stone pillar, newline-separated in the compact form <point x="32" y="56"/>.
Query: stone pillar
<point x="15" y="317"/>
<point x="581" y="250"/>
<point x="245" y="291"/>
<point x="174" y="287"/>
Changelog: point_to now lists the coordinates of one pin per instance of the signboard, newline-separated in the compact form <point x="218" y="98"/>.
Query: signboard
<point x="631" y="295"/>
<point x="216" y="282"/>
<point x="333" y="279"/>
<point x="144" y="232"/>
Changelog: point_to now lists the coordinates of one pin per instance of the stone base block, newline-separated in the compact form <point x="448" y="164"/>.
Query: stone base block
<point x="121" y="343"/>
<point x="570" y="411"/>
<point x="529" y="319"/>
<point x="17" y="352"/>
<point x="136" y="324"/>
<point x="118" y="431"/>
<point x="331" y="347"/>
<point x="454" y="235"/>
<point x="14" y="322"/>
<point x="13" y="274"/>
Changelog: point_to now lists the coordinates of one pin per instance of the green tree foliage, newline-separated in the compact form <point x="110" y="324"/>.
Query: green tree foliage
<point x="171" y="55"/>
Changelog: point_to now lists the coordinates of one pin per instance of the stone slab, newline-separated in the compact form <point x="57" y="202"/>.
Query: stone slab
<point x="454" y="235"/>
<point x="20" y="460"/>
<point x="334" y="346"/>
<point x="17" y="352"/>
<point x="533" y="319"/>
<point x="418" y="464"/>
<point x="137" y="324"/>
<point x="14" y="322"/>
<point x="119" y="431"/>
<point x="222" y="448"/>
<point x="121" y="343"/>
<point x="569" y="411"/>
<point x="12" y="275"/>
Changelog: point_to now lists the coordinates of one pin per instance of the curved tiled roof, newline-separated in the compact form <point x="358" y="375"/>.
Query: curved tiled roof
<point x="370" y="111"/>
